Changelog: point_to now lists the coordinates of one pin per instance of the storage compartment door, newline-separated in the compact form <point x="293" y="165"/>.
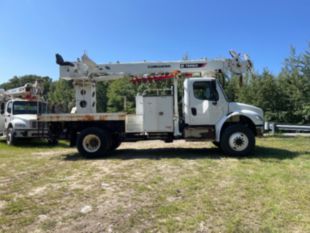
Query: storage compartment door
<point x="165" y="114"/>
<point x="158" y="114"/>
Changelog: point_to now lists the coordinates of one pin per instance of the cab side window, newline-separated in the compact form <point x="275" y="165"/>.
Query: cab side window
<point x="205" y="90"/>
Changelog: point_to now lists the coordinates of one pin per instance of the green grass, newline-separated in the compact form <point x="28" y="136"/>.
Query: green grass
<point x="185" y="187"/>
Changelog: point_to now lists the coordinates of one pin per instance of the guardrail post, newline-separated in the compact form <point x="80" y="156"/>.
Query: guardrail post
<point x="272" y="127"/>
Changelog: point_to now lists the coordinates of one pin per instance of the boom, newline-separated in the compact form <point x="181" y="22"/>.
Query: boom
<point x="86" y="69"/>
<point x="85" y="73"/>
<point x="28" y="91"/>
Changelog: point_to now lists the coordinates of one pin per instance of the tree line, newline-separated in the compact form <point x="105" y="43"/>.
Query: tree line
<point x="284" y="97"/>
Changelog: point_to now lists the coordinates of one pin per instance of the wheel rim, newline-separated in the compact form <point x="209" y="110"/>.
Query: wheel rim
<point x="238" y="141"/>
<point x="91" y="143"/>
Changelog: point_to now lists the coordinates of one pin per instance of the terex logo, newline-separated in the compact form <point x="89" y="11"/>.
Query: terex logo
<point x="192" y="65"/>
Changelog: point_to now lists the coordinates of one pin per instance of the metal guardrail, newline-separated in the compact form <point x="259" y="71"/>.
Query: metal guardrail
<point x="283" y="127"/>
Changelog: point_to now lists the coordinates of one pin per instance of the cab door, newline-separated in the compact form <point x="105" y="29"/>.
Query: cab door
<point x="206" y="102"/>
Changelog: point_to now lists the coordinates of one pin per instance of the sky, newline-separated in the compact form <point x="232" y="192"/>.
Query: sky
<point x="32" y="31"/>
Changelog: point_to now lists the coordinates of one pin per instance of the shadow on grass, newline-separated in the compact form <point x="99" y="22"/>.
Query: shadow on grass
<point x="31" y="143"/>
<point x="187" y="153"/>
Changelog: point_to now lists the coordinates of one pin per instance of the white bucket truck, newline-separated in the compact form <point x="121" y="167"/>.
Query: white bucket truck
<point x="19" y="110"/>
<point x="206" y="113"/>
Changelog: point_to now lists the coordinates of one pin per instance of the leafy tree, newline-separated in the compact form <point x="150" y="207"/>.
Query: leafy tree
<point x="294" y="80"/>
<point x="263" y="91"/>
<point x="121" y="90"/>
<point x="102" y="98"/>
<point x="232" y="88"/>
<point x="61" y="96"/>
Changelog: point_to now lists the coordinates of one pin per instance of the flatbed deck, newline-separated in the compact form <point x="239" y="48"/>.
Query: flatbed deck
<point x="70" y="117"/>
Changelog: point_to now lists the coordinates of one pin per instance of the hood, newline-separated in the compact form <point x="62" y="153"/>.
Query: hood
<point x="234" y="106"/>
<point x="27" y="117"/>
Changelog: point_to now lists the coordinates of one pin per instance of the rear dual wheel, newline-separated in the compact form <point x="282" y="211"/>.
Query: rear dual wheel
<point x="93" y="142"/>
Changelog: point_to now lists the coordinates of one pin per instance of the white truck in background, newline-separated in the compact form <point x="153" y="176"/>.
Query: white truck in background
<point x="206" y="113"/>
<point x="19" y="108"/>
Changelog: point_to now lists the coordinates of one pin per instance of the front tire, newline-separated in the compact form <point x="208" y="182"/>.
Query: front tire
<point x="237" y="140"/>
<point x="93" y="142"/>
<point x="10" y="136"/>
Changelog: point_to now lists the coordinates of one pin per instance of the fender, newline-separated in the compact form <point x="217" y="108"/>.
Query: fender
<point x="18" y="123"/>
<point x="253" y="116"/>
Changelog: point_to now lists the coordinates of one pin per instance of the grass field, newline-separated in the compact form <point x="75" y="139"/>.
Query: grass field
<point x="178" y="187"/>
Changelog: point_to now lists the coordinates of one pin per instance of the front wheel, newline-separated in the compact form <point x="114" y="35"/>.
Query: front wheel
<point x="237" y="140"/>
<point x="10" y="136"/>
<point x="93" y="142"/>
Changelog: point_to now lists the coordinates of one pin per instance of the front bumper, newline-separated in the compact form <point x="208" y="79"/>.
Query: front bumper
<point x="260" y="130"/>
<point x="30" y="133"/>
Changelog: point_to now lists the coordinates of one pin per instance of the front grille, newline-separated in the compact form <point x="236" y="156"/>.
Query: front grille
<point x="33" y="124"/>
<point x="41" y="125"/>
<point x="38" y="125"/>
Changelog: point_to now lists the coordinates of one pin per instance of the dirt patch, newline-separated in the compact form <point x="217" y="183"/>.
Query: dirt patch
<point x="37" y="191"/>
<point x="54" y="152"/>
<point x="155" y="144"/>
<point x="2" y="204"/>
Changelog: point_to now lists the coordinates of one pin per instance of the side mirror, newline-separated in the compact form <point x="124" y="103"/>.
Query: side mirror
<point x="214" y="93"/>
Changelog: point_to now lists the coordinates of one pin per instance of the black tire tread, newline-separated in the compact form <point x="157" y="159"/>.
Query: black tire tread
<point x="13" y="139"/>
<point x="237" y="128"/>
<point x="105" y="142"/>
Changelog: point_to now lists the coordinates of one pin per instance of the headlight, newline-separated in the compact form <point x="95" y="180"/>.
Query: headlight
<point x="20" y="125"/>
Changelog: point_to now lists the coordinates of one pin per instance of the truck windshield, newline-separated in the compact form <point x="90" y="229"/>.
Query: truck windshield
<point x="25" y="107"/>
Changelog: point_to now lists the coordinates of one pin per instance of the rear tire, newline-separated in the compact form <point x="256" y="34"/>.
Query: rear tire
<point x="93" y="142"/>
<point x="115" y="143"/>
<point x="237" y="140"/>
<point x="217" y="144"/>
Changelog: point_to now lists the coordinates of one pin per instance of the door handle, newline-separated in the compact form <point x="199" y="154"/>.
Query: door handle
<point x="194" y="111"/>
